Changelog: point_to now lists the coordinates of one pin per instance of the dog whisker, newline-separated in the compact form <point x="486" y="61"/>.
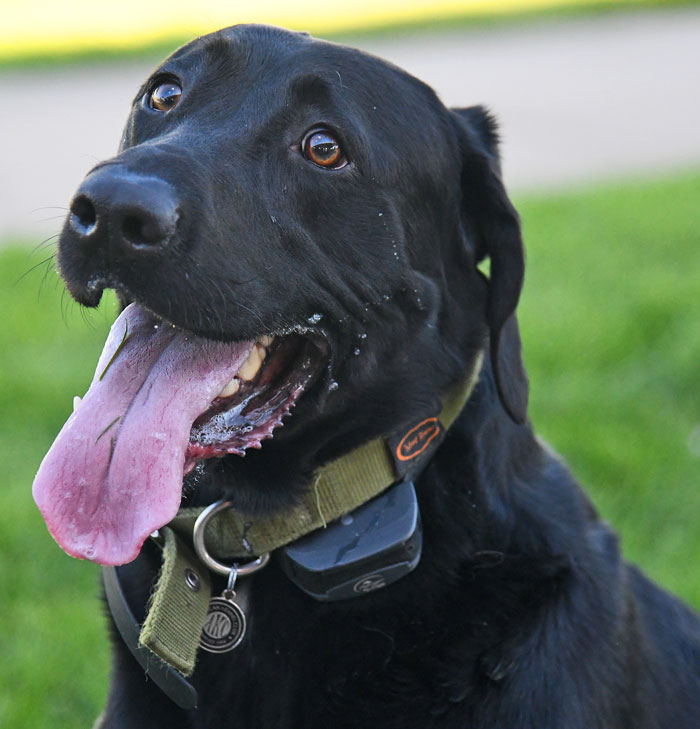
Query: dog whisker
<point x="51" y="217"/>
<point x="46" y="242"/>
<point x="46" y="261"/>
<point x="49" y="207"/>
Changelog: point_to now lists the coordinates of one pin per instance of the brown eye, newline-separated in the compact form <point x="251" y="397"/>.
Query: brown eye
<point x="165" y="96"/>
<point x="323" y="149"/>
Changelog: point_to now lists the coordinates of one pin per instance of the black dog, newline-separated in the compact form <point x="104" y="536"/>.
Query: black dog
<point x="271" y="185"/>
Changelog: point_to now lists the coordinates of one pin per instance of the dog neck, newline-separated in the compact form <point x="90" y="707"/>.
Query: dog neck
<point x="341" y="485"/>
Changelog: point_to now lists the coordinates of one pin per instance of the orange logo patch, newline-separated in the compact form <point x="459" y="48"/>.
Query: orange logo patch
<point x="417" y="439"/>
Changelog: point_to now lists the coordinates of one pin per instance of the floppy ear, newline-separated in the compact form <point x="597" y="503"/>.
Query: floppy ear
<point x="494" y="225"/>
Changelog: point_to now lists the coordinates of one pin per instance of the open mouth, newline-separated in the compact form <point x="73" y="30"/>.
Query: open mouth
<point x="253" y="402"/>
<point x="161" y="400"/>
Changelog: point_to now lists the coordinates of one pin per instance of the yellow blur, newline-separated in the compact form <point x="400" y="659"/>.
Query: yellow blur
<point x="30" y="27"/>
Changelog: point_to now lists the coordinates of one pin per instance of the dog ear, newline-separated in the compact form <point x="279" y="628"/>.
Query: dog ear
<point x="494" y="225"/>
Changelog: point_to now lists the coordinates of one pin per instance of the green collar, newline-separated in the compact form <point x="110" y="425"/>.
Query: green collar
<point x="178" y="606"/>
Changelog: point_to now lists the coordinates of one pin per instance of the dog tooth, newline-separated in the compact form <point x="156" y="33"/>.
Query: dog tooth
<point x="76" y="401"/>
<point x="266" y="340"/>
<point x="231" y="388"/>
<point x="251" y="366"/>
<point x="261" y="352"/>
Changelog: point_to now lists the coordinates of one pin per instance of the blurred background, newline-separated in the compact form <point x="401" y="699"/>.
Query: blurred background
<point x="600" y="119"/>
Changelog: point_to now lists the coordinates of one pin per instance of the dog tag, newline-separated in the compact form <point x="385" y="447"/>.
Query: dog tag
<point x="225" y="623"/>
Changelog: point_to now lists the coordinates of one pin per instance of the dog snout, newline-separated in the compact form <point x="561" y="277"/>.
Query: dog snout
<point x="124" y="212"/>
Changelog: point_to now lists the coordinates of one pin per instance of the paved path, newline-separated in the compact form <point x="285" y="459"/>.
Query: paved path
<point x="583" y="99"/>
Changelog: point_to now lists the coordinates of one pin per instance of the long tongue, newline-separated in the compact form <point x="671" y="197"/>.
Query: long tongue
<point x="114" y="473"/>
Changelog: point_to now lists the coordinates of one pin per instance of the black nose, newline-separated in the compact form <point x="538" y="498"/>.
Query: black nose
<point x="127" y="212"/>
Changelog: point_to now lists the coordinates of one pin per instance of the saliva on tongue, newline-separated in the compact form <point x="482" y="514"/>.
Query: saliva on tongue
<point x="114" y="473"/>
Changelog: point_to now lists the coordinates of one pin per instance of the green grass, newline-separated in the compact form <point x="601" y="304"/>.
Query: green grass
<point x="611" y="329"/>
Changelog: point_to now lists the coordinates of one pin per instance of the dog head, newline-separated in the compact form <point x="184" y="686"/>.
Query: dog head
<point x="315" y="200"/>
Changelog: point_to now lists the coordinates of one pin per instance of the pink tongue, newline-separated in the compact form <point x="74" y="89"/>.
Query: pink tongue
<point x="114" y="473"/>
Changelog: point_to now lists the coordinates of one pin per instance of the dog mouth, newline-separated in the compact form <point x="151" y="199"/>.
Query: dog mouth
<point x="162" y="399"/>
<point x="254" y="401"/>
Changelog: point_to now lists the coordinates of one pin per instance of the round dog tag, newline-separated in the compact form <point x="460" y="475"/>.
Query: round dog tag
<point x="224" y="627"/>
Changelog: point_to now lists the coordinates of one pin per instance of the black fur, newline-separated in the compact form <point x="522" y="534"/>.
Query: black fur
<point x="522" y="613"/>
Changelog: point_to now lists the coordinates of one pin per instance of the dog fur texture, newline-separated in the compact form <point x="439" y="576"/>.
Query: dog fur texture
<point x="522" y="614"/>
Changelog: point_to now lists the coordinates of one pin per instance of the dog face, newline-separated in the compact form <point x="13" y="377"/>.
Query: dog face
<point x="324" y="203"/>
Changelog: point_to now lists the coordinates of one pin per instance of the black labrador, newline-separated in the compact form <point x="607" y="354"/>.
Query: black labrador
<point x="322" y="203"/>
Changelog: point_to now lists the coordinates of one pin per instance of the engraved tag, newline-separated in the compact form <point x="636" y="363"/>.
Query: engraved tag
<point x="225" y="625"/>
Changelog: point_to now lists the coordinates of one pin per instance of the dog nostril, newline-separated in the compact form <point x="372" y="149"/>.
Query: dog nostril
<point x="143" y="230"/>
<point x="132" y="229"/>
<point x="83" y="215"/>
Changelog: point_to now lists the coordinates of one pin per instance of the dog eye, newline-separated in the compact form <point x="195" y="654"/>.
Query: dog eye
<point x="323" y="149"/>
<point x="165" y="96"/>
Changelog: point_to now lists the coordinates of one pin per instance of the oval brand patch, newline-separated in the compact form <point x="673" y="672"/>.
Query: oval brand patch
<point x="417" y="439"/>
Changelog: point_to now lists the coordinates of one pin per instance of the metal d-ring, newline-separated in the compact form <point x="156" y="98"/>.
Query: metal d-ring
<point x="241" y="570"/>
